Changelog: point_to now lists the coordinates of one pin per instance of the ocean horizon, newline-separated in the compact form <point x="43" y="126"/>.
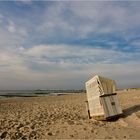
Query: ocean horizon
<point x="34" y="93"/>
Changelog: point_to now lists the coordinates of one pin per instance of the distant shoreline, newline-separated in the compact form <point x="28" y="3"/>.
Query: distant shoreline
<point x="34" y="95"/>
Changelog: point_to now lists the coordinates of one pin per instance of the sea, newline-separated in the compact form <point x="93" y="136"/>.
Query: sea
<point x="25" y="93"/>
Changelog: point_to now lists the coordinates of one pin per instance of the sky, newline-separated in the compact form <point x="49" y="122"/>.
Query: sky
<point x="62" y="44"/>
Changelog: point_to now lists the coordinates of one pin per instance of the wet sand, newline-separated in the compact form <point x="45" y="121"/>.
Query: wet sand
<point x="65" y="117"/>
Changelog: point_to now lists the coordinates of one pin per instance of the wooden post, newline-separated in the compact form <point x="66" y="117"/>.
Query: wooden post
<point x="87" y="107"/>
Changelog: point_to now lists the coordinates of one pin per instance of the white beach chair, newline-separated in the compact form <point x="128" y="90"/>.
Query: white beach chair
<point x="102" y="102"/>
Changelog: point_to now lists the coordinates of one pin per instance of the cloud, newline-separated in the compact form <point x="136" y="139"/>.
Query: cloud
<point x="17" y="29"/>
<point x="62" y="44"/>
<point x="65" y="22"/>
<point x="12" y="34"/>
<point x="46" y="65"/>
<point x="80" y="54"/>
<point x="85" y="19"/>
<point x="11" y="27"/>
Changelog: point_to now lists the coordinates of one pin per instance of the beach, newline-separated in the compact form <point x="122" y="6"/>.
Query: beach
<point x="66" y="117"/>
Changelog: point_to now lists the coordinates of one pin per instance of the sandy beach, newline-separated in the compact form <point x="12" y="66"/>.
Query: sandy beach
<point x="65" y="117"/>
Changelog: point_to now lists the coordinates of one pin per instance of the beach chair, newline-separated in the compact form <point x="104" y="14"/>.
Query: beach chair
<point x="102" y="102"/>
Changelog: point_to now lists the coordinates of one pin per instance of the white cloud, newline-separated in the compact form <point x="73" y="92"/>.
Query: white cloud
<point x="17" y="29"/>
<point x="28" y="69"/>
<point x="11" y="28"/>
<point x="67" y="66"/>
<point x="80" y="19"/>
<point x="12" y="35"/>
<point x="79" y="53"/>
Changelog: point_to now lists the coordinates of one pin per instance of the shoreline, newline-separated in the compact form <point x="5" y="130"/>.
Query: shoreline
<point x="35" y="95"/>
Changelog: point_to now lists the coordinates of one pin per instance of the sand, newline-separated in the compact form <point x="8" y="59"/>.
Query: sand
<point x="65" y="117"/>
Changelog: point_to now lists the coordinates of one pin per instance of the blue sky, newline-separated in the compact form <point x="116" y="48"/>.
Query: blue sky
<point x="62" y="44"/>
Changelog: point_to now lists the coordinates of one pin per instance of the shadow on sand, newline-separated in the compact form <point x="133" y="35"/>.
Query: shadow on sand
<point x="126" y="113"/>
<point x="131" y="110"/>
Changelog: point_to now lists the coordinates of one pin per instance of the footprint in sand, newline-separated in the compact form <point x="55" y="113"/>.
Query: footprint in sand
<point x="133" y="119"/>
<point x="122" y="122"/>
